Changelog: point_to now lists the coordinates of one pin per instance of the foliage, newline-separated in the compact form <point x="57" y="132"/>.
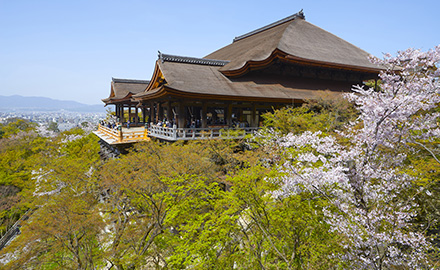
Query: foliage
<point x="365" y="178"/>
<point x="138" y="186"/>
<point x="53" y="126"/>
<point x="327" y="113"/>
<point x="14" y="126"/>
<point x="20" y="148"/>
<point x="329" y="185"/>
<point x="286" y="233"/>
<point x="62" y="230"/>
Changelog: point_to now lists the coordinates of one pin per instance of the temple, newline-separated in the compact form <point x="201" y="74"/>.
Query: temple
<point x="281" y="64"/>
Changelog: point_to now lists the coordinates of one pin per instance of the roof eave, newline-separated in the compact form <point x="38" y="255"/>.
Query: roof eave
<point x="311" y="62"/>
<point x="169" y="91"/>
<point x="278" y="54"/>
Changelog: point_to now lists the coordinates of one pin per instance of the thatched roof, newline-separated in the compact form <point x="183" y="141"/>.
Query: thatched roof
<point x="229" y="73"/>
<point x="297" y="39"/>
<point x="123" y="89"/>
<point x="197" y="79"/>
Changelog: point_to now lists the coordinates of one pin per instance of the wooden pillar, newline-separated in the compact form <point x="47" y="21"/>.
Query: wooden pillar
<point x="204" y="112"/>
<point x="129" y="113"/>
<point x="159" y="112"/>
<point x="228" y="115"/>
<point x="143" y="113"/>
<point x="180" y="115"/>
<point x="169" y="112"/>
<point x="122" y="113"/>
<point x="151" y="112"/>
<point x="136" y="119"/>
<point x="254" y="116"/>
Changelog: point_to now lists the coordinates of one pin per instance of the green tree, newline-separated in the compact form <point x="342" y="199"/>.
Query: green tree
<point x="53" y="126"/>
<point x="327" y="113"/>
<point x="20" y="150"/>
<point x="137" y="205"/>
<point x="13" y="126"/>
<point x="65" y="224"/>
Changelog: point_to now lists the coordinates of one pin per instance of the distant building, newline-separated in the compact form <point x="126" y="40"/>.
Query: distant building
<point x="283" y="63"/>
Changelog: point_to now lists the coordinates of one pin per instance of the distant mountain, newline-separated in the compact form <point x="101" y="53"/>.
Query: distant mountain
<point x="20" y="103"/>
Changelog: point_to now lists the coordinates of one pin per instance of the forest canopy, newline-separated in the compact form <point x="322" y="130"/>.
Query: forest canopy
<point x="335" y="184"/>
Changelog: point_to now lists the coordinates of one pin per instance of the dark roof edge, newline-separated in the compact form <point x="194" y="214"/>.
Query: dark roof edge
<point x="299" y="14"/>
<point x="116" y="80"/>
<point x="191" y="60"/>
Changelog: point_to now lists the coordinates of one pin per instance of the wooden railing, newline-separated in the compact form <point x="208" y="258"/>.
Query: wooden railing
<point x="135" y="135"/>
<point x="121" y="135"/>
<point x="110" y="132"/>
<point x="174" y="134"/>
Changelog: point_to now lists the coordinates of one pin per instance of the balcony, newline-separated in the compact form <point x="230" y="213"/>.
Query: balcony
<point x="187" y="134"/>
<point x="136" y="134"/>
<point x="122" y="135"/>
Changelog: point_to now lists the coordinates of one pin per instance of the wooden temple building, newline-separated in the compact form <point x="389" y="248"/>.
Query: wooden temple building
<point x="283" y="63"/>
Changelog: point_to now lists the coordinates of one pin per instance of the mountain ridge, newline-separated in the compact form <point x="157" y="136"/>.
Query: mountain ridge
<point x="36" y="103"/>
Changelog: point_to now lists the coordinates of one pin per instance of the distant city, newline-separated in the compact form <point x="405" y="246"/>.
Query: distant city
<point x="67" y="114"/>
<point x="65" y="120"/>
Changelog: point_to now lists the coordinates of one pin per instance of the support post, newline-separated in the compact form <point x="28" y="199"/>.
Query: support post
<point x="204" y="112"/>
<point x="159" y="112"/>
<point x="151" y="112"/>
<point x="169" y="112"/>
<point x="181" y="115"/>
<point x="254" y="115"/>
<point x="122" y="113"/>
<point x="229" y="115"/>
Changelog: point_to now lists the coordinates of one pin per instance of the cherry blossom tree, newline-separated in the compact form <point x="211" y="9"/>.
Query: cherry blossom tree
<point x="361" y="169"/>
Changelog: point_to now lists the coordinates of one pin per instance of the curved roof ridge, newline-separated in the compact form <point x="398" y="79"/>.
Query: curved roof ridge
<point x="191" y="60"/>
<point x="299" y="14"/>
<point x="119" y="80"/>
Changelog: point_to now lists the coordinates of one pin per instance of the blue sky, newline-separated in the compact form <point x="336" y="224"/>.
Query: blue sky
<point x="70" y="50"/>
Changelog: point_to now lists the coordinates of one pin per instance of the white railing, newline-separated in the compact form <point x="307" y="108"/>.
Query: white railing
<point x="174" y="134"/>
<point x="115" y="136"/>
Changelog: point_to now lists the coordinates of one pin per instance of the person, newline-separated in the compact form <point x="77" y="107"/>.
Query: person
<point x="128" y="123"/>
